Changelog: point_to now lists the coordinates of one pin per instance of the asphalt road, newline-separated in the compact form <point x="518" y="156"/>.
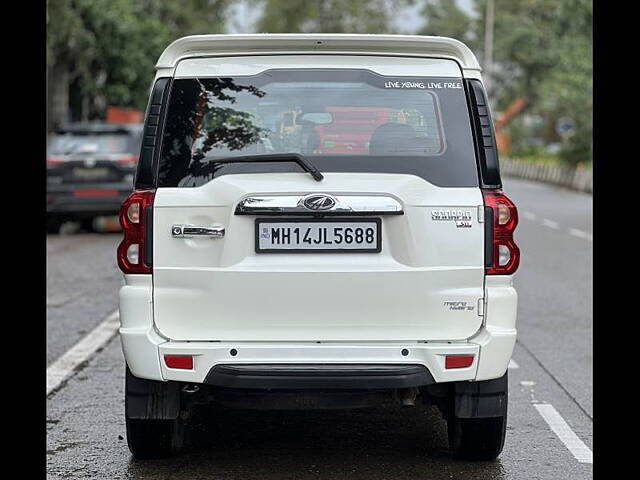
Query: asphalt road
<point x="85" y="424"/>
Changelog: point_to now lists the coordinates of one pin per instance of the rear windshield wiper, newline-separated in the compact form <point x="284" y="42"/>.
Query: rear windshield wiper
<point x="274" y="157"/>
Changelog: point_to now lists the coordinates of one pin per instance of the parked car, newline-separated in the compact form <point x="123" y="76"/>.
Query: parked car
<point x="274" y="260"/>
<point x="90" y="171"/>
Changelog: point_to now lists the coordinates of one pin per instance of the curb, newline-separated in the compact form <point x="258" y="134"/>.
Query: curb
<point x="574" y="178"/>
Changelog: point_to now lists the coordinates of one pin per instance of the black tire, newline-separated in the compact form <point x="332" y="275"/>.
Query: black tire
<point x="87" y="225"/>
<point x="53" y="225"/>
<point x="154" y="438"/>
<point x="477" y="438"/>
<point x="150" y="438"/>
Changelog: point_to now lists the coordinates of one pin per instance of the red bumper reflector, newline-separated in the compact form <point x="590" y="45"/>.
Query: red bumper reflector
<point x="95" y="193"/>
<point x="458" y="361"/>
<point x="184" y="362"/>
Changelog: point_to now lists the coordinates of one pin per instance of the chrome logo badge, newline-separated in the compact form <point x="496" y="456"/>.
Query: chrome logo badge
<point x="319" y="202"/>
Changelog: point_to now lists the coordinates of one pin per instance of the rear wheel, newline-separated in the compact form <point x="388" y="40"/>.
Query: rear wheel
<point x="87" y="225"/>
<point x="154" y="438"/>
<point x="53" y="224"/>
<point x="477" y="438"/>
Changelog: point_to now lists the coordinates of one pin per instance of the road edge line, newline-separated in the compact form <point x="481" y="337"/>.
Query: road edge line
<point x="66" y="365"/>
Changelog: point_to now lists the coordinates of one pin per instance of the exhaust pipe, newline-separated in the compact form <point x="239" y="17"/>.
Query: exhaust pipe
<point x="408" y="397"/>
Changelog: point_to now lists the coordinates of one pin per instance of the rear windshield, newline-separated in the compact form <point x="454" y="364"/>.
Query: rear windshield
<point x="73" y="143"/>
<point x="341" y="120"/>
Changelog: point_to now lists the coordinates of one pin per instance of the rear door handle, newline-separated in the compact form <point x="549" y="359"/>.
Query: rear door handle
<point x="188" y="231"/>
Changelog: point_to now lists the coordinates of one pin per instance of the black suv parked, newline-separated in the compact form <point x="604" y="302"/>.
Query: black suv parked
<point x="90" y="170"/>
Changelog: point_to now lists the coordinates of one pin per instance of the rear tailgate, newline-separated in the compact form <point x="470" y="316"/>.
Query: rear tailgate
<point x="425" y="284"/>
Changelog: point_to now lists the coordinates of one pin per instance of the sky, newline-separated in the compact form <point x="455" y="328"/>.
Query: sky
<point x="409" y="20"/>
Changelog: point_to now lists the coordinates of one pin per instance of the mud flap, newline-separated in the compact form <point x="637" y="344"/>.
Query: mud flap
<point x="151" y="399"/>
<point x="484" y="399"/>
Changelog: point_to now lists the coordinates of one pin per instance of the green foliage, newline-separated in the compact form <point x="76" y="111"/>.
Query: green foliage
<point x="542" y="48"/>
<point x="111" y="46"/>
<point x="328" y="16"/>
<point x="444" y="18"/>
<point x="567" y="90"/>
<point x="542" y="51"/>
<point x="525" y="45"/>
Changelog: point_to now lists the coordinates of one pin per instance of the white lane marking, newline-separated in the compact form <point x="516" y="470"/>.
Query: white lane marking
<point x="576" y="446"/>
<point x="64" y="366"/>
<point x="550" y="223"/>
<point x="580" y="234"/>
<point x="556" y="226"/>
<point x="513" y="364"/>
<point x="527" y="383"/>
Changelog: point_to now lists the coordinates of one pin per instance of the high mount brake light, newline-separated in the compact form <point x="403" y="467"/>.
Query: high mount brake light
<point x="505" y="252"/>
<point x="131" y="251"/>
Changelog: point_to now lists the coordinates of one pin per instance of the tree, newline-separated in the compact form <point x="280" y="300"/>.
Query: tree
<point x="68" y="52"/>
<point x="104" y="51"/>
<point x="328" y="16"/>
<point x="542" y="51"/>
<point x="444" y="18"/>
<point x="567" y="91"/>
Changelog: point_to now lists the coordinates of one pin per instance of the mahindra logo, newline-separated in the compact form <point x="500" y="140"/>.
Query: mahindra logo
<point x="319" y="202"/>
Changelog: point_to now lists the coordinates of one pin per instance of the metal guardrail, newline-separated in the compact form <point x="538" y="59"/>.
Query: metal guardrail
<point x="580" y="179"/>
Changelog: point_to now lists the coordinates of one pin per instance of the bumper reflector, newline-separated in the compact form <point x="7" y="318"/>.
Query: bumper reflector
<point x="185" y="362"/>
<point x="458" y="361"/>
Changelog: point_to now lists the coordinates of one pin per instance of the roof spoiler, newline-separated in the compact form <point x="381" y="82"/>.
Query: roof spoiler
<point x="406" y="45"/>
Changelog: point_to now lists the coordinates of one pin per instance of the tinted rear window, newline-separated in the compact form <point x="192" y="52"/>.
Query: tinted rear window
<point x="341" y="120"/>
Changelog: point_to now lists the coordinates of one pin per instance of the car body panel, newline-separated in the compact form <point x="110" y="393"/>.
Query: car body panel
<point x="426" y="292"/>
<point x="201" y="284"/>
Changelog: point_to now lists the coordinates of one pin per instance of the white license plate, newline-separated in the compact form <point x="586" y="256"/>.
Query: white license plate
<point x="316" y="236"/>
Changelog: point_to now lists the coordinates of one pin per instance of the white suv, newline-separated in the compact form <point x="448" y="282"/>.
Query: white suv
<point x="318" y="222"/>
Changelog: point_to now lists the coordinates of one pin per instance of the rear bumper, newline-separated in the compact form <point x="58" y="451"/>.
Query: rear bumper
<point x="361" y="357"/>
<point x="95" y="199"/>
<point x="225" y="363"/>
<point x="318" y="376"/>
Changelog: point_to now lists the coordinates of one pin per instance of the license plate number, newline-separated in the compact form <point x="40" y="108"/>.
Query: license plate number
<point x="316" y="236"/>
<point x="90" y="173"/>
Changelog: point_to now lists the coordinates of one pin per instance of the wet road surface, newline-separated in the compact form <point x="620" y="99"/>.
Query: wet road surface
<point x="85" y="416"/>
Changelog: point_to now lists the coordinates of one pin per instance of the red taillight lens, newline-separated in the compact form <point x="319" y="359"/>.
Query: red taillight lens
<point x="184" y="362"/>
<point x="131" y="251"/>
<point x="54" y="161"/>
<point x="129" y="160"/>
<point x="458" y="361"/>
<point x="506" y="254"/>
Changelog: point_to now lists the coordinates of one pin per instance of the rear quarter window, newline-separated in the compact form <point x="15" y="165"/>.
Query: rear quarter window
<point x="341" y="120"/>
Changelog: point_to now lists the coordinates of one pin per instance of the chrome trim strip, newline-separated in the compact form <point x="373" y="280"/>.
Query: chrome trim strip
<point x="294" y="205"/>
<point x="188" y="231"/>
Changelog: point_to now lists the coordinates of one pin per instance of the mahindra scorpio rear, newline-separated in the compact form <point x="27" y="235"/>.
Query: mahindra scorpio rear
<point x="318" y="222"/>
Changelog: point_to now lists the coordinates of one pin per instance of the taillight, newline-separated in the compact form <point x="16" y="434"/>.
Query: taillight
<point x="54" y="161"/>
<point x="504" y="253"/>
<point x="128" y="160"/>
<point x="131" y="251"/>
